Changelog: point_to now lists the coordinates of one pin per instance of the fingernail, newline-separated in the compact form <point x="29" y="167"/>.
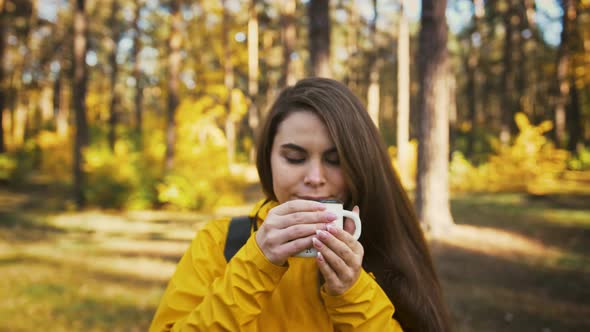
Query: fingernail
<point x="321" y="234"/>
<point x="331" y="216"/>
<point x="316" y="243"/>
<point x="332" y="229"/>
<point x="320" y="257"/>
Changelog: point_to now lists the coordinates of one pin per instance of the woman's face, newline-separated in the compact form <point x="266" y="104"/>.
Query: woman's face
<point x="304" y="160"/>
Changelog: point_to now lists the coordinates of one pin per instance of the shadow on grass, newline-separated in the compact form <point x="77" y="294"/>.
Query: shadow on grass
<point x="492" y="293"/>
<point x="130" y="272"/>
<point x="75" y="312"/>
<point x="41" y="195"/>
<point x="102" y="314"/>
<point x="561" y="221"/>
<point x="163" y="256"/>
<point x="22" y="227"/>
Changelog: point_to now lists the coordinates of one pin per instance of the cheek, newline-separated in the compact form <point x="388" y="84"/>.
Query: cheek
<point x="340" y="184"/>
<point x="280" y="180"/>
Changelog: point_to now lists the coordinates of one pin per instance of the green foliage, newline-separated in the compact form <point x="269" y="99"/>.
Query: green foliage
<point x="482" y="142"/>
<point x="529" y="164"/>
<point x="17" y="166"/>
<point x="132" y="178"/>
<point x="8" y="166"/>
<point x="56" y="156"/>
<point x="465" y="176"/>
<point x="201" y="177"/>
<point x="108" y="176"/>
<point x="200" y="188"/>
<point x="581" y="161"/>
<point x="119" y="178"/>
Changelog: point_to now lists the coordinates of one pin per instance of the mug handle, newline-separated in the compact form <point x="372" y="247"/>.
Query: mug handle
<point x="357" y="222"/>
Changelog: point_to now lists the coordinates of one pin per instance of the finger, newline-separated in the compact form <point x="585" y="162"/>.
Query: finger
<point x="345" y="246"/>
<point x="327" y="272"/>
<point x="296" y="246"/>
<point x="341" y="242"/>
<point x="297" y="206"/>
<point x="298" y="231"/>
<point x="333" y="251"/>
<point x="299" y="218"/>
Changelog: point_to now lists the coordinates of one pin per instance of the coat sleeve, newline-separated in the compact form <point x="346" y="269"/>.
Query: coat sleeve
<point x="206" y="294"/>
<point x="363" y="307"/>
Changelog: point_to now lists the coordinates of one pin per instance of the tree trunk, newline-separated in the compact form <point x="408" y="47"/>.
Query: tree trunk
<point x="507" y="77"/>
<point x="113" y="116"/>
<point x="137" y="74"/>
<point x="403" y="97"/>
<point x="61" y="101"/>
<point x="452" y="118"/>
<point x="352" y="76"/>
<point x="520" y="59"/>
<point x="574" y="116"/>
<point x="12" y="100"/>
<point x="46" y="104"/>
<point x="471" y="90"/>
<point x="29" y="93"/>
<point x="79" y="82"/>
<point x="230" y="126"/>
<point x="20" y="116"/>
<point x="531" y="104"/>
<point x="471" y="65"/>
<point x="60" y="105"/>
<point x="319" y="37"/>
<point x="253" y="74"/>
<point x="288" y="34"/>
<point x="56" y="94"/>
<point x="432" y="191"/>
<point x="174" y="44"/>
<point x="563" y="71"/>
<point x="373" y="93"/>
<point x="2" y="84"/>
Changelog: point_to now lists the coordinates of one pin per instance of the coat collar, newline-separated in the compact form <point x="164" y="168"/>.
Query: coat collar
<point x="261" y="208"/>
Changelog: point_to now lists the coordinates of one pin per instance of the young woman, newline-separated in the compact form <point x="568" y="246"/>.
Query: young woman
<point x="318" y="142"/>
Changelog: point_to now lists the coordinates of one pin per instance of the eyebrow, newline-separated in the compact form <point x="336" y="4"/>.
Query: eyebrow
<point x="292" y="146"/>
<point x="296" y="147"/>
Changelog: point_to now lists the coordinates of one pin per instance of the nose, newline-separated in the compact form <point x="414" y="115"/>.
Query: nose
<point x="315" y="174"/>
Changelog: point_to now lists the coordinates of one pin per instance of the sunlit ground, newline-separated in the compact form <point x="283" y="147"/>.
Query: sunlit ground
<point x="512" y="263"/>
<point x="518" y="263"/>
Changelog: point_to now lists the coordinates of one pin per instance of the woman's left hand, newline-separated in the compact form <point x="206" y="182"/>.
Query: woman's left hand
<point x="340" y="257"/>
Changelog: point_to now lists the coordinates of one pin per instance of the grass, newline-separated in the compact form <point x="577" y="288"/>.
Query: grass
<point x="517" y="263"/>
<point x="78" y="281"/>
<point x="512" y="263"/>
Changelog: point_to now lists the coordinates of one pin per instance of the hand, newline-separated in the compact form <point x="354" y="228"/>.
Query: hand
<point x="340" y="257"/>
<point x="289" y="228"/>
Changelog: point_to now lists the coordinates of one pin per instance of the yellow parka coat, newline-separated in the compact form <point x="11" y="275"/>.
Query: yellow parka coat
<point x="249" y="293"/>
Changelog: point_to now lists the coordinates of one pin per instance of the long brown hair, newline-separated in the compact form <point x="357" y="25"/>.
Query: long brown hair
<point x="395" y="248"/>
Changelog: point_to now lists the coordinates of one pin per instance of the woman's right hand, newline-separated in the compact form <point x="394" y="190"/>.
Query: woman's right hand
<point x="289" y="228"/>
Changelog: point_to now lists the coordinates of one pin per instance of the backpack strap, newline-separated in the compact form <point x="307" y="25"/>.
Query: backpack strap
<point x="237" y="235"/>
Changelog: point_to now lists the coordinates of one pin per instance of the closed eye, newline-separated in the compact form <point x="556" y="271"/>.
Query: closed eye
<point x="333" y="161"/>
<point x="293" y="154"/>
<point x="294" y="160"/>
<point x="332" y="158"/>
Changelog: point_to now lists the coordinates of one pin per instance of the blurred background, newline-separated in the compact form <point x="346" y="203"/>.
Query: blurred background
<point x="124" y="125"/>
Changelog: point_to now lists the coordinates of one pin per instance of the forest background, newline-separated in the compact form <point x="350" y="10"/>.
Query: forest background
<point x="125" y="124"/>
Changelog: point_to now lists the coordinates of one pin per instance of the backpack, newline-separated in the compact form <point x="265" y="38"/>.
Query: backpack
<point x="237" y="235"/>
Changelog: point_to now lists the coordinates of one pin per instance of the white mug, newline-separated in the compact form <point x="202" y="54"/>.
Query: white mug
<point x="338" y="209"/>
